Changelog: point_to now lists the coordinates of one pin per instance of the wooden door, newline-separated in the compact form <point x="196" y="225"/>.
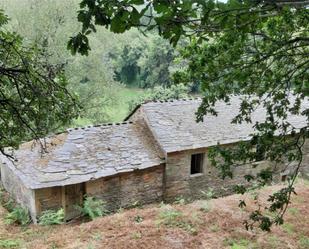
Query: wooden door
<point x="73" y="196"/>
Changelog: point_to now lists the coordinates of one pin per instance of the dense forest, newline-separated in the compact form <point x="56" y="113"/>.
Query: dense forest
<point x="121" y="70"/>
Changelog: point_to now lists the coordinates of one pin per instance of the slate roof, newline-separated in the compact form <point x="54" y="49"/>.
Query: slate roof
<point x="174" y="126"/>
<point x="83" y="154"/>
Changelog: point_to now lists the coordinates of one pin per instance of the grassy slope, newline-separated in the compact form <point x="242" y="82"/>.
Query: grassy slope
<point x="124" y="96"/>
<point x="202" y="224"/>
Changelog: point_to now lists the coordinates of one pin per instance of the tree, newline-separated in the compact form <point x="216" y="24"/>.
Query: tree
<point x="179" y="91"/>
<point x="33" y="96"/>
<point x="145" y="62"/>
<point x="46" y="25"/>
<point x="257" y="49"/>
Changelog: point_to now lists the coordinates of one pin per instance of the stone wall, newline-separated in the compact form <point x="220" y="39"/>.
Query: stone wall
<point x="140" y="186"/>
<point x="48" y="198"/>
<point x="179" y="182"/>
<point x="17" y="189"/>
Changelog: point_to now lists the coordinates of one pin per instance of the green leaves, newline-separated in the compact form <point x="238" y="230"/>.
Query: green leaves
<point x="138" y="2"/>
<point x="79" y="44"/>
<point x="33" y="97"/>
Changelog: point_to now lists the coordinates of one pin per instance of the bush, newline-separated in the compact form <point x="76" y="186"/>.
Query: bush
<point x="18" y="215"/>
<point x="51" y="217"/>
<point x="93" y="208"/>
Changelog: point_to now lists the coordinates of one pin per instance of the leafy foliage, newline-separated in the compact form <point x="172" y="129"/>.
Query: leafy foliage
<point x="255" y="49"/>
<point x="93" y="208"/>
<point x="144" y="62"/>
<point x="33" y="96"/>
<point x="51" y="217"/>
<point x="161" y="93"/>
<point x="46" y="24"/>
<point x="18" y="215"/>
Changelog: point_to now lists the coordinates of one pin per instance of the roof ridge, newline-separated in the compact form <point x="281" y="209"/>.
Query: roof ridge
<point x="171" y="100"/>
<point x="99" y="125"/>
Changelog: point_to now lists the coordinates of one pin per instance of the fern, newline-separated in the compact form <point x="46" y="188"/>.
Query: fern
<point x="51" y="217"/>
<point x="93" y="208"/>
<point x="18" y="215"/>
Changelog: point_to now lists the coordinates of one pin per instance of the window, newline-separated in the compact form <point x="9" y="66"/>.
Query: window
<point x="283" y="178"/>
<point x="197" y="163"/>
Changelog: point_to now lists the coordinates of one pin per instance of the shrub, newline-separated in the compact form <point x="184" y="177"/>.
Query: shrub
<point x="9" y="204"/>
<point x="51" y="217"/>
<point x="18" y="215"/>
<point x="93" y="208"/>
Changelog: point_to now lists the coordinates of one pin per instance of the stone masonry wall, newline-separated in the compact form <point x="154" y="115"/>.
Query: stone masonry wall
<point x="17" y="190"/>
<point x="142" y="186"/>
<point x="48" y="198"/>
<point x="180" y="183"/>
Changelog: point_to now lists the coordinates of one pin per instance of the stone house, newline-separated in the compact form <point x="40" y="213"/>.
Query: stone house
<point x="158" y="153"/>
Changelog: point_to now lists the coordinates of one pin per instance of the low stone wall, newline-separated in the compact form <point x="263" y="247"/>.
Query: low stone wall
<point x="140" y="186"/>
<point x="14" y="186"/>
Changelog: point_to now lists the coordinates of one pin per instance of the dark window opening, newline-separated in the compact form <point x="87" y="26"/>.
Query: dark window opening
<point x="197" y="163"/>
<point x="283" y="178"/>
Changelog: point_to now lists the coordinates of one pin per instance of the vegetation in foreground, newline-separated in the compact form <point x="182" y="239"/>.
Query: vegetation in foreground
<point x="215" y="223"/>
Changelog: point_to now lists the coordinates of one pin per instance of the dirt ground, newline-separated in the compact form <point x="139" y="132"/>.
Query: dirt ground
<point x="215" y="223"/>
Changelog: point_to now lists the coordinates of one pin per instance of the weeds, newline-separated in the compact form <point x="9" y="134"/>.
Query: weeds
<point x="239" y="243"/>
<point x="93" y="208"/>
<point x="180" y="201"/>
<point x="209" y="194"/>
<point x="138" y="219"/>
<point x="293" y="211"/>
<point x="51" y="217"/>
<point x="304" y="242"/>
<point x="97" y="236"/>
<point x="18" y="215"/>
<point x="214" y="228"/>
<point x="288" y="228"/>
<point x="6" y="201"/>
<point x="205" y="207"/>
<point x="136" y="204"/>
<point x="8" y="243"/>
<point x="136" y="235"/>
<point x="274" y="241"/>
<point x="174" y="218"/>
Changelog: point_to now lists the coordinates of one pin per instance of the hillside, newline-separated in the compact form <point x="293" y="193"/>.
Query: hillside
<point x="216" y="223"/>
